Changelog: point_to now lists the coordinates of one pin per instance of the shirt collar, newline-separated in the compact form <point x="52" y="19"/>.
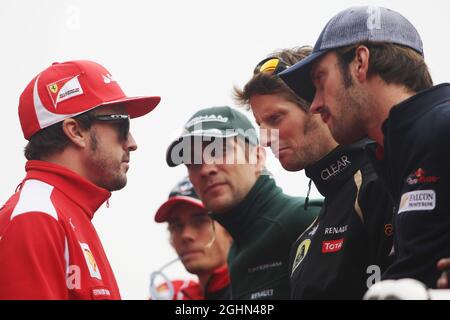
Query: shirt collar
<point x="218" y="280"/>
<point x="337" y="167"/>
<point x="237" y="220"/>
<point x="84" y="193"/>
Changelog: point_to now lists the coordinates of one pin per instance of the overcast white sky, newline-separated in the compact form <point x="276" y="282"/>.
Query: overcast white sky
<point x="191" y="53"/>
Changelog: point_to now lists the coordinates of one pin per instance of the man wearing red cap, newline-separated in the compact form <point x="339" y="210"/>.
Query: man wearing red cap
<point x="201" y="244"/>
<point x="76" y="120"/>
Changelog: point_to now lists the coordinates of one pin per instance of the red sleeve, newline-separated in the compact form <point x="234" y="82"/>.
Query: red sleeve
<point x="32" y="264"/>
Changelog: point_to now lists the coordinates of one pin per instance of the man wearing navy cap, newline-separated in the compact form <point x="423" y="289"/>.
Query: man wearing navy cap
<point x="367" y="77"/>
<point x="351" y="239"/>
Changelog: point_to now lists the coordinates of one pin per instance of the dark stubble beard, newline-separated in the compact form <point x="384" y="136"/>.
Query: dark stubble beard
<point x="348" y="125"/>
<point x="311" y="152"/>
<point x="108" y="170"/>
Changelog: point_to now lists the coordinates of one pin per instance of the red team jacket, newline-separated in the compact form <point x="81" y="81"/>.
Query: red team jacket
<point x="49" y="248"/>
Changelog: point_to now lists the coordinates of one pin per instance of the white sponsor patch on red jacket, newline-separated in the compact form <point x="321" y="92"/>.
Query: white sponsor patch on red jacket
<point x="332" y="245"/>
<point x="100" y="293"/>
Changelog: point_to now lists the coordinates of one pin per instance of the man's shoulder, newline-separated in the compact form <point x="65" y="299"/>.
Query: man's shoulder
<point x="295" y="203"/>
<point x="29" y="218"/>
<point x="369" y="176"/>
<point x="283" y="203"/>
<point x="441" y="110"/>
<point x="34" y="196"/>
<point x="433" y="126"/>
<point x="438" y="110"/>
<point x="291" y="210"/>
<point x="372" y="194"/>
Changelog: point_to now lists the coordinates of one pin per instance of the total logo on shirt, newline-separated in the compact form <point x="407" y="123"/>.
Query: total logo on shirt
<point x="331" y="246"/>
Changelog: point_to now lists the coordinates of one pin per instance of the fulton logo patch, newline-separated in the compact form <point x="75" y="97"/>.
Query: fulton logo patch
<point x="90" y="261"/>
<point x="64" y="89"/>
<point x="420" y="200"/>
<point x="302" y="250"/>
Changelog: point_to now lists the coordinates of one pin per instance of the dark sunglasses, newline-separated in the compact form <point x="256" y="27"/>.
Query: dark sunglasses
<point x="271" y="66"/>
<point x="123" y="121"/>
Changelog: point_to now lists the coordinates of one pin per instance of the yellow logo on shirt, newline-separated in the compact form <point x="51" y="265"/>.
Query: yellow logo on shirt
<point x="90" y="261"/>
<point x="302" y="250"/>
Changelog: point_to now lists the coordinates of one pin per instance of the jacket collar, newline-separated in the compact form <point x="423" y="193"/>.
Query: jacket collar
<point x="219" y="280"/>
<point x="238" y="220"/>
<point x="337" y="167"/>
<point x="414" y="107"/>
<point x="84" y="193"/>
<point x="375" y="153"/>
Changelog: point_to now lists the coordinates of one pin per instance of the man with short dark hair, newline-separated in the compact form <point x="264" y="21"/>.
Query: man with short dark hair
<point x="201" y="244"/>
<point x="226" y="165"/>
<point x="76" y="120"/>
<point x="367" y="77"/>
<point x="347" y="247"/>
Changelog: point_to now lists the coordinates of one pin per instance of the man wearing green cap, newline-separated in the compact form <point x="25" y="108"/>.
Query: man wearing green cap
<point x="219" y="147"/>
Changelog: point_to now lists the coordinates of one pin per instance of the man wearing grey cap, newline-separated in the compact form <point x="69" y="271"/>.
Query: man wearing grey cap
<point x="221" y="151"/>
<point x="367" y="77"/>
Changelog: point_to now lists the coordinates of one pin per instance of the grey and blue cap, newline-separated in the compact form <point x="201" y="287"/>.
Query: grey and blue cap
<point x="215" y="122"/>
<point x="352" y="26"/>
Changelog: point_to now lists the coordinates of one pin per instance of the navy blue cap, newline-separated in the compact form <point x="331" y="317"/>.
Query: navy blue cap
<point x="351" y="26"/>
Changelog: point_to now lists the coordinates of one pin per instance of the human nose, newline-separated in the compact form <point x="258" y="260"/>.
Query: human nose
<point x="208" y="169"/>
<point x="188" y="232"/>
<point x="317" y="103"/>
<point x="131" y="144"/>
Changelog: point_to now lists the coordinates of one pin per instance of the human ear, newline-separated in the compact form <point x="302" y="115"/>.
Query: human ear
<point x="74" y="132"/>
<point x="361" y="63"/>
